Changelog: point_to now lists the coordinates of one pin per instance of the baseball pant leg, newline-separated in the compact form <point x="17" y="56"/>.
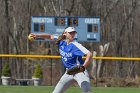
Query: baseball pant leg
<point x="83" y="81"/>
<point x="63" y="83"/>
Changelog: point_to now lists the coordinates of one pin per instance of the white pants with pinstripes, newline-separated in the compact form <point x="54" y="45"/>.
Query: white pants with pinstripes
<point x="66" y="80"/>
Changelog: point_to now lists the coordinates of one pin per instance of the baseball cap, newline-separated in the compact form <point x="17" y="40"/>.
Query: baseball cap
<point x="70" y="29"/>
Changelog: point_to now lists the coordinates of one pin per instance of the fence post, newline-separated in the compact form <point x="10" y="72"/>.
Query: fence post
<point x="94" y="68"/>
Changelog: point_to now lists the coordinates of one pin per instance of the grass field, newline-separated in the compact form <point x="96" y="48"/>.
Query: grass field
<point x="49" y="89"/>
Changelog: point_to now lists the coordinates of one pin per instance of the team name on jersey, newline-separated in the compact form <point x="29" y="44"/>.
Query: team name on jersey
<point x="65" y="53"/>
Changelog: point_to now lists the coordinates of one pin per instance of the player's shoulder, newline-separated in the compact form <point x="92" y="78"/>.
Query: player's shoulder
<point x="62" y="43"/>
<point x="76" y="43"/>
<point x="81" y="47"/>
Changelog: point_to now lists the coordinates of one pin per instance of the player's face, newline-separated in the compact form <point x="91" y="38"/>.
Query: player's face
<point x="71" y="35"/>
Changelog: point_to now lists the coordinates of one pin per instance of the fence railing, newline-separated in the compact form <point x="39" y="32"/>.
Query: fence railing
<point x="57" y="57"/>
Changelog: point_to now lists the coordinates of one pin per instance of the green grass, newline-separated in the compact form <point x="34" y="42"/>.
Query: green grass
<point x="49" y="89"/>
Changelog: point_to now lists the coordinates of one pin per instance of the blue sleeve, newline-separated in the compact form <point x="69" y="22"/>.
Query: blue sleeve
<point x="78" y="52"/>
<point x="55" y="37"/>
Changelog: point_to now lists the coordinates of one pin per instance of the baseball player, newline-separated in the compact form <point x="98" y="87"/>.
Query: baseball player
<point x="71" y="54"/>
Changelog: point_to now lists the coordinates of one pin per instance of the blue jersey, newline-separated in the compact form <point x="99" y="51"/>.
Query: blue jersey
<point x="72" y="53"/>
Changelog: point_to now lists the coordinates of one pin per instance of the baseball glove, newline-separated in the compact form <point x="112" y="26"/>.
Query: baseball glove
<point x="75" y="70"/>
<point x="61" y="37"/>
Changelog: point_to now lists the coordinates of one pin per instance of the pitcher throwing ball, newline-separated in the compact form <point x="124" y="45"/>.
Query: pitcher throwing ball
<point x="71" y="53"/>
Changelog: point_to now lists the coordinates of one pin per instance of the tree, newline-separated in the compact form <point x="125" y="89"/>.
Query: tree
<point x="38" y="72"/>
<point x="6" y="70"/>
